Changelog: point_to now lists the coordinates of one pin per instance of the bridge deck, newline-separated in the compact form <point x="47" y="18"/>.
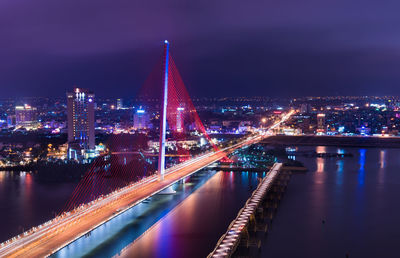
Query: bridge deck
<point x="227" y="244"/>
<point x="63" y="230"/>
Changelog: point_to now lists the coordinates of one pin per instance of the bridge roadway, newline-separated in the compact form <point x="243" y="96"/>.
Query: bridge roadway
<point x="51" y="236"/>
<point x="66" y="228"/>
<point x="228" y="243"/>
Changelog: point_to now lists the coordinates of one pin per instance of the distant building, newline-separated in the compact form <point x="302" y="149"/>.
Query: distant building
<point x="141" y="120"/>
<point x="321" y="127"/>
<point x="80" y="107"/>
<point x="305" y="109"/>
<point x="11" y="120"/>
<point x="173" y="145"/>
<point x="244" y="126"/>
<point x="179" y="119"/>
<point x="25" y="116"/>
<point x="303" y="123"/>
<point x="120" y="104"/>
<point x="364" y="130"/>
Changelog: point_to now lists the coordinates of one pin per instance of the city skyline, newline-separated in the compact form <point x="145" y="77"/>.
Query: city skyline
<point x="199" y="129"/>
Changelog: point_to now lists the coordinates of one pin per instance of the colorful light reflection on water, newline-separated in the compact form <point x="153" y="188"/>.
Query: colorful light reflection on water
<point x="193" y="228"/>
<point x="341" y="206"/>
<point x="25" y="202"/>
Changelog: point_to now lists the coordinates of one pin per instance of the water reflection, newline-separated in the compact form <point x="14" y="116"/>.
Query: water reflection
<point x="28" y="201"/>
<point x="382" y="165"/>
<point x="318" y="185"/>
<point x="361" y="162"/>
<point x="339" y="172"/>
<point x="109" y="238"/>
<point x="165" y="242"/>
<point x="187" y="234"/>
<point x="382" y="158"/>
<point x="245" y="178"/>
<point x="2" y="175"/>
<point x="320" y="161"/>
<point x="361" y="214"/>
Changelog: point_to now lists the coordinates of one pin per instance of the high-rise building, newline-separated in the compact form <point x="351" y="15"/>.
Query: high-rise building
<point x="321" y="127"/>
<point x="25" y="116"/>
<point x="141" y="120"/>
<point x="305" y="108"/>
<point x="120" y="104"/>
<point x="11" y="120"/>
<point x="80" y="105"/>
<point x="179" y="119"/>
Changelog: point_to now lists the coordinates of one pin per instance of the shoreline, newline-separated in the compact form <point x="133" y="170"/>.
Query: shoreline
<point x="339" y="141"/>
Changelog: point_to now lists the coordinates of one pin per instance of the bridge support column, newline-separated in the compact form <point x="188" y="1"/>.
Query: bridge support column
<point x="168" y="190"/>
<point x="163" y="115"/>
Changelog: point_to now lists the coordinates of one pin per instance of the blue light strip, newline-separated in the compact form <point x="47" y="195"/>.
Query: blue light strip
<point x="163" y="125"/>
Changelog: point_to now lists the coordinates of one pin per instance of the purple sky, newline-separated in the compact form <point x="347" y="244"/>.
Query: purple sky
<point x="222" y="47"/>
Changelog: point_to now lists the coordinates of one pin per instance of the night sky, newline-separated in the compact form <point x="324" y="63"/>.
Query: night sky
<point x="222" y="47"/>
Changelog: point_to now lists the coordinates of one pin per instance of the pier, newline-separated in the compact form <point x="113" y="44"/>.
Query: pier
<point x="255" y="217"/>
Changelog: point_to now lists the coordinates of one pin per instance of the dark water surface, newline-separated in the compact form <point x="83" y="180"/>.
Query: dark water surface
<point x="357" y="197"/>
<point x="193" y="228"/>
<point x="193" y="217"/>
<point x="25" y="202"/>
<point x="111" y="237"/>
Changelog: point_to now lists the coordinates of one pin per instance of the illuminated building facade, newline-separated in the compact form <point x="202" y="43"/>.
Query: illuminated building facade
<point x="321" y="127"/>
<point x="141" y="120"/>
<point x="179" y="119"/>
<point x="25" y="116"/>
<point x="81" y="137"/>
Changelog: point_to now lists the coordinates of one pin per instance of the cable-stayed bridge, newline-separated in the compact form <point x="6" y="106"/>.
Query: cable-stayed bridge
<point x="110" y="186"/>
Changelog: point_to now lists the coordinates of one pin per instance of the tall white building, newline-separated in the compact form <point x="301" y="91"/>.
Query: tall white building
<point x="179" y="119"/>
<point x="80" y="107"/>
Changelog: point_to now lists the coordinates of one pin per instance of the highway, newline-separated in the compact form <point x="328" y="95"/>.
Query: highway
<point x="57" y="233"/>
<point x="51" y="236"/>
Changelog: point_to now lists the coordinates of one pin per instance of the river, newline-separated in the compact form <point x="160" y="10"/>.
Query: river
<point x="355" y="197"/>
<point x="26" y="202"/>
<point x="340" y="206"/>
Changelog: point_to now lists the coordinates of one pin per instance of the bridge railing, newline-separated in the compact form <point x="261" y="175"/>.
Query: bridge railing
<point x="88" y="207"/>
<point x="228" y="243"/>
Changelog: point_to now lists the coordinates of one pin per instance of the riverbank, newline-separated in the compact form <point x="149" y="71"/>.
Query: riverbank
<point x="339" y="141"/>
<point x="52" y="172"/>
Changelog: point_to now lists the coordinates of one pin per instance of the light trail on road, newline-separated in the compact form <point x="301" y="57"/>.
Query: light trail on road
<point x="51" y="236"/>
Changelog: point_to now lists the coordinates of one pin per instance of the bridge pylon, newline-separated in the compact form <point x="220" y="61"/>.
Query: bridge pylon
<point x="163" y="115"/>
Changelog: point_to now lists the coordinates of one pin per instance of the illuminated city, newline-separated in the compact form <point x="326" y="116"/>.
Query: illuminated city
<point x="223" y="129"/>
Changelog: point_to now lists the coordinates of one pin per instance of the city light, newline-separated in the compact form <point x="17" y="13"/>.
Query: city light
<point x="261" y="114"/>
